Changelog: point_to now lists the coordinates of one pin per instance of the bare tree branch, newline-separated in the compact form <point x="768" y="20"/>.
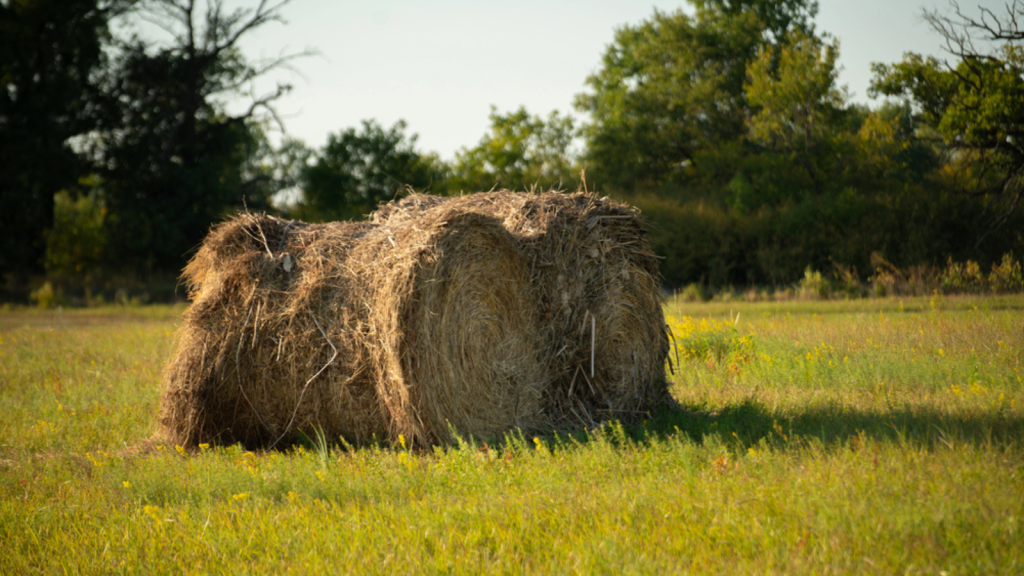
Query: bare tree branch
<point x="984" y="48"/>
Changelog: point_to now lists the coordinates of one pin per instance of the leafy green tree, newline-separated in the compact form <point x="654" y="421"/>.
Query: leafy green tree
<point x="902" y="148"/>
<point x="668" y="102"/>
<point x="278" y="172"/>
<point x="975" y="104"/>
<point x="796" y="104"/>
<point x="778" y="17"/>
<point x="50" y="51"/>
<point x="668" y="89"/>
<point x="520" y="152"/>
<point x="77" y="245"/>
<point x="357" y="170"/>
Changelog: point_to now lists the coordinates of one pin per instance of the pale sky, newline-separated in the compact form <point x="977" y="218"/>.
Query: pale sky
<point x="440" y="65"/>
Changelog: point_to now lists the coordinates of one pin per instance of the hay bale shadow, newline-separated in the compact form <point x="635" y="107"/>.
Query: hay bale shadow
<point x="749" y="423"/>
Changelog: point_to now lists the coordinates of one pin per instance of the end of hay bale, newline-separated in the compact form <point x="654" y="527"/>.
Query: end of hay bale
<point x="473" y="357"/>
<point x="595" y="300"/>
<point x="264" y="347"/>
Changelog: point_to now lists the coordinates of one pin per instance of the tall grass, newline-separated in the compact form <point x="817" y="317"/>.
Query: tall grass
<point x="810" y="438"/>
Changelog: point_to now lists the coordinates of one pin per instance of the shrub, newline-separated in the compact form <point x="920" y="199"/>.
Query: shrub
<point x="692" y="293"/>
<point x="847" y="282"/>
<point x="46" y="296"/>
<point x="963" y="278"/>
<point x="706" y="339"/>
<point x="813" y="286"/>
<point x="1006" y="276"/>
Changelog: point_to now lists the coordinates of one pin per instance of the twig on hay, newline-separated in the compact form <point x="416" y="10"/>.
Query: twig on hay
<point x="578" y="417"/>
<point x="265" y="245"/>
<point x="583" y="409"/>
<point x="573" y="383"/>
<point x="255" y="325"/>
<point x="238" y="366"/>
<point x="308" y="382"/>
<point x="284" y="235"/>
<point x="587" y="380"/>
<point x="675" y="346"/>
<point x="644" y="253"/>
<point x="594" y="220"/>
<point x="593" y="338"/>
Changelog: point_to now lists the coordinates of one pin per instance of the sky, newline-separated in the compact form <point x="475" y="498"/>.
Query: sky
<point x="441" y="65"/>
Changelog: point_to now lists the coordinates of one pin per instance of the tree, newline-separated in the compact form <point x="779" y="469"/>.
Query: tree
<point x="76" y="247"/>
<point x="172" y="158"/>
<point x="890" y="150"/>
<point x="50" y="51"/>
<point x="668" y="100"/>
<point x="778" y="17"/>
<point x="356" y="171"/>
<point x="974" y="104"/>
<point x="278" y="172"/>
<point x="795" y="103"/>
<point x="519" y="153"/>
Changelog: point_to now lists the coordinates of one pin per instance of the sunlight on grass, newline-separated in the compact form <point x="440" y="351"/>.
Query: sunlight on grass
<point x="885" y="439"/>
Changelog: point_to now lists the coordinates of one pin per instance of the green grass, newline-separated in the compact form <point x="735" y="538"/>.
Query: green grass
<point x="873" y="436"/>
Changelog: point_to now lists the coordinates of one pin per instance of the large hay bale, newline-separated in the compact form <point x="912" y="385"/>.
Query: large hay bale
<point x="602" y="330"/>
<point x="481" y="314"/>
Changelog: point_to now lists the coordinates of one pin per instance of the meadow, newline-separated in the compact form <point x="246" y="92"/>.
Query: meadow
<point x="873" y="436"/>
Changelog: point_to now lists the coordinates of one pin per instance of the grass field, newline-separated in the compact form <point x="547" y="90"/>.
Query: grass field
<point x="863" y="436"/>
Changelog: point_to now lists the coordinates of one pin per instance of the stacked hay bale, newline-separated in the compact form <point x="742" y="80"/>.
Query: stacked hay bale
<point x="479" y="314"/>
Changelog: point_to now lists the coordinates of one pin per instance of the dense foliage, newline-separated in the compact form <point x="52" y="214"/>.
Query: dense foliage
<point x="355" y="171"/>
<point x="519" y="153"/>
<point x="724" y="123"/>
<point x="729" y="129"/>
<point x="50" y="52"/>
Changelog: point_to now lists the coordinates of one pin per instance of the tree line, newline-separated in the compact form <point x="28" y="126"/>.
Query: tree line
<point x="725" y="124"/>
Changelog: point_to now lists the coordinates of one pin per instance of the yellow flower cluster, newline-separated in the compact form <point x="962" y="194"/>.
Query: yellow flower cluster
<point x="99" y="458"/>
<point x="709" y="339"/>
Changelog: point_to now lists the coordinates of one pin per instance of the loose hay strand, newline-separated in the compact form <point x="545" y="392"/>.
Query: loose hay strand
<point x="334" y="356"/>
<point x="593" y="337"/>
<point x="238" y="364"/>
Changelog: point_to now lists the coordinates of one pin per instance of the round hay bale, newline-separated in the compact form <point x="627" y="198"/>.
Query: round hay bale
<point x="453" y="320"/>
<point x="596" y="284"/>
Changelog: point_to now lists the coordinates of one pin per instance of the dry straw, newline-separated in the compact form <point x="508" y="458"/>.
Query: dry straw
<point x="479" y="314"/>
